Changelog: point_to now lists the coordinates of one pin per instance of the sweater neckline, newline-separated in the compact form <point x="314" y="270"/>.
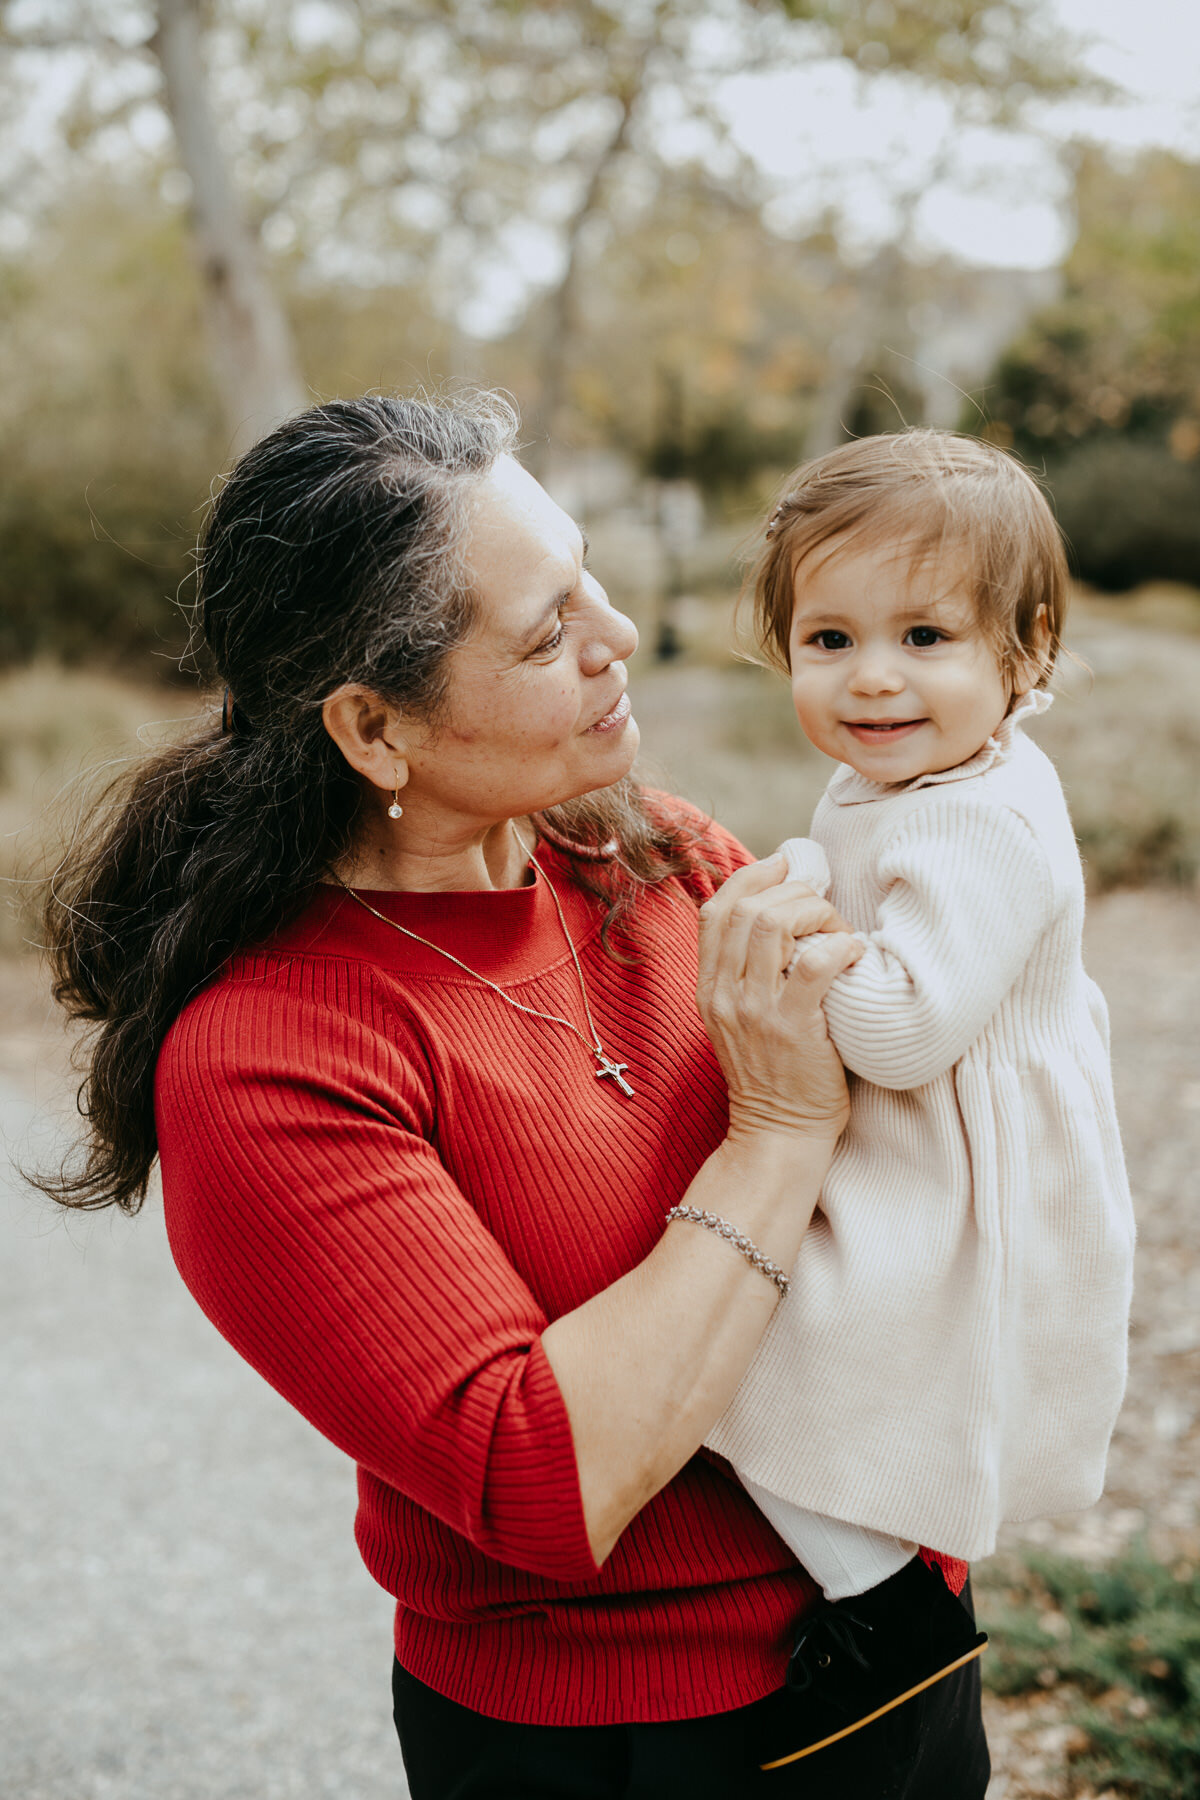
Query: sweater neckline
<point x="849" y="788"/>
<point x="505" y="934"/>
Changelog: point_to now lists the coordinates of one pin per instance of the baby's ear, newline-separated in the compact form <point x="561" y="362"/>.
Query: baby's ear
<point x="1034" y="662"/>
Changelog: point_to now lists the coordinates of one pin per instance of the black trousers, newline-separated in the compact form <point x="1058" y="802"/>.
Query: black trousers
<point x="931" y="1748"/>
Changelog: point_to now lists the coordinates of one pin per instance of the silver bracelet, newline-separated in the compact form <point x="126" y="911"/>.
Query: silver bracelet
<point x="695" y="1215"/>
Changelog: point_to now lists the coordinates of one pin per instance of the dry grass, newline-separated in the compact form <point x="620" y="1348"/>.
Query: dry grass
<point x="63" y="733"/>
<point x="1125" y="735"/>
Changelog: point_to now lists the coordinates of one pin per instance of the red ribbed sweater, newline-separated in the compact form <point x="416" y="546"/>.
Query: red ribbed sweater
<point x="381" y="1184"/>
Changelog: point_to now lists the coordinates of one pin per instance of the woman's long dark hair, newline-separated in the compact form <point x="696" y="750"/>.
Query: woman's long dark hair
<point x="332" y="554"/>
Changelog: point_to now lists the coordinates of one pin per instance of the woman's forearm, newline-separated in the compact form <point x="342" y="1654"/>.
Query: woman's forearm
<point x="649" y="1365"/>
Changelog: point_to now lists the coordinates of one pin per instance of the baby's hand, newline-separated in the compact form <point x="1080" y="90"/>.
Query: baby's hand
<point x="806" y="861"/>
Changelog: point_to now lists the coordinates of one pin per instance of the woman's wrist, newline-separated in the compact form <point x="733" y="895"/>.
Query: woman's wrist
<point x="778" y="1149"/>
<point x="767" y="1182"/>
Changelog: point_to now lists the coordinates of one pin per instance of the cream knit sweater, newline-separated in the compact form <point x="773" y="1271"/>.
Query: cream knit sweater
<point x="952" y="1353"/>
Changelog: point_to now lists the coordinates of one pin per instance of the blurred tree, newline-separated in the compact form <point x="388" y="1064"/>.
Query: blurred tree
<point x="249" y="338"/>
<point x="109" y="434"/>
<point x="393" y="164"/>
<point x="988" y="61"/>
<point x="111" y="428"/>
<point x="1103" y="389"/>
<point x="376" y="140"/>
<point x="698" y="341"/>
<point x="1120" y="352"/>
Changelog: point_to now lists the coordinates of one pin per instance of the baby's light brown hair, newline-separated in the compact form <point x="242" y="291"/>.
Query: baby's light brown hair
<point x="936" y="497"/>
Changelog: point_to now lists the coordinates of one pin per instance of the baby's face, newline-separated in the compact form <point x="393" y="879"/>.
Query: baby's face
<point x="890" y="671"/>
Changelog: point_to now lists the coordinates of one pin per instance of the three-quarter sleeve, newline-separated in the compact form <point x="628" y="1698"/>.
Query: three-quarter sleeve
<point x="310" y="1215"/>
<point x="967" y="892"/>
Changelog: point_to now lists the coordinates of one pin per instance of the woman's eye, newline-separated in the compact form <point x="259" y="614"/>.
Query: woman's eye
<point x="552" y="642"/>
<point x="923" y="637"/>
<point x="830" y="640"/>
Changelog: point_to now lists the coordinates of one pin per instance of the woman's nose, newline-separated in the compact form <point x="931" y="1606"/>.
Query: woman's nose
<point x="613" y="638"/>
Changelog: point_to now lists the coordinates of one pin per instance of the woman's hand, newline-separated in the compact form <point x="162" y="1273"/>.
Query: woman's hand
<point x="647" y="1366"/>
<point x="766" y="1025"/>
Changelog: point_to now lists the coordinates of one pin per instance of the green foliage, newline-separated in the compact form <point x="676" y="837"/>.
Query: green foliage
<point x="110" y="430"/>
<point x="714" y="382"/>
<point x="1130" y="511"/>
<point x="109" y="436"/>
<point x="722" y="448"/>
<point x="81" y="575"/>
<point x="1154" y="849"/>
<point x="1119" y="353"/>
<point x="1127" y="1637"/>
<point x="959" y="43"/>
<point x="1103" y="389"/>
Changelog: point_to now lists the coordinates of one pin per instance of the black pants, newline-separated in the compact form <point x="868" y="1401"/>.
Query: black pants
<point x="931" y="1748"/>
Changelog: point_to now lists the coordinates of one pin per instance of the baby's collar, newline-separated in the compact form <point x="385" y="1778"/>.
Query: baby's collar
<point x="848" y="787"/>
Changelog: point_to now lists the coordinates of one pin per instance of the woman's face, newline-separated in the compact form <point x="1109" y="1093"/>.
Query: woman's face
<point x="536" y="710"/>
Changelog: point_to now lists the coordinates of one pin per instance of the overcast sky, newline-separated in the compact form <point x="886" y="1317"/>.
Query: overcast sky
<point x="1001" y="202"/>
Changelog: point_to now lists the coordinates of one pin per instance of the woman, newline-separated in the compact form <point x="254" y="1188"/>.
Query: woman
<point x="394" y="969"/>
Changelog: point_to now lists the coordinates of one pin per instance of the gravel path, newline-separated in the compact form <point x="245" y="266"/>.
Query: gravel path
<point x="185" y="1614"/>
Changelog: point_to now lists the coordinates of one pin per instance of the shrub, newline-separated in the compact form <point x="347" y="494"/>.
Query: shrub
<point x="1130" y="511"/>
<point x="1127" y="1637"/>
<point x="92" y="577"/>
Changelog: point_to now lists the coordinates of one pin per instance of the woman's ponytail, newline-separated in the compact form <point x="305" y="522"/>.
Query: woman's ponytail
<point x="333" y="554"/>
<point x="205" y="849"/>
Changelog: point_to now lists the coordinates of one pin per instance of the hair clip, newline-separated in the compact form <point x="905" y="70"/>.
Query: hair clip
<point x="233" y="719"/>
<point x="773" y="523"/>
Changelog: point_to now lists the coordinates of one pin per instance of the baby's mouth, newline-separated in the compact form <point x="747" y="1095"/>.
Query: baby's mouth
<point x="877" y="730"/>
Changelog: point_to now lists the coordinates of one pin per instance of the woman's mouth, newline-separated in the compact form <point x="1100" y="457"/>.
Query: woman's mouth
<point x="881" y="731"/>
<point x="613" y="721"/>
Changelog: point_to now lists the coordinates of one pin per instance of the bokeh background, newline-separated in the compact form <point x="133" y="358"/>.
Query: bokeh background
<point x="696" y="242"/>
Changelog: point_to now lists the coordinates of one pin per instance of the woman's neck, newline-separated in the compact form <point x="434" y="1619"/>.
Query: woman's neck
<point x="404" y="858"/>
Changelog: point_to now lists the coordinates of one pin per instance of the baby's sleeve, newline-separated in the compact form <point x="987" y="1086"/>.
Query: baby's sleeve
<point x="967" y="894"/>
<point x="806" y="861"/>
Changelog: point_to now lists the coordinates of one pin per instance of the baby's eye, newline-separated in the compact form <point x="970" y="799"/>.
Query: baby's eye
<point x="923" y="637"/>
<point x="830" y="640"/>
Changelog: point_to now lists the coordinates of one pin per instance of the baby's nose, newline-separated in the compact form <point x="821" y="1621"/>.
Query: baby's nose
<point x="875" y="672"/>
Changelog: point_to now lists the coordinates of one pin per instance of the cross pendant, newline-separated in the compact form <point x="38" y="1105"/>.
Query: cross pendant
<point x="615" y="1069"/>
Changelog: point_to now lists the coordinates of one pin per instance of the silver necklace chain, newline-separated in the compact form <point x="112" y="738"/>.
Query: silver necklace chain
<point x="609" y="1067"/>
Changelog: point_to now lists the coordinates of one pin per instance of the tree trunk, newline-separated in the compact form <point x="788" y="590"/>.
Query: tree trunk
<point x="563" y="303"/>
<point x="250" y="341"/>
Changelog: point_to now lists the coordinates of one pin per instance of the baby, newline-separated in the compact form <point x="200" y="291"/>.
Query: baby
<point x="952" y="1352"/>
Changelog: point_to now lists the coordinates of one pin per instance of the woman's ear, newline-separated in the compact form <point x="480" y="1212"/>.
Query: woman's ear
<point x="369" y="734"/>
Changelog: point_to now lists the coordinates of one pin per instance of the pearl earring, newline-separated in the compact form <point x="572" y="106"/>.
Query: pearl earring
<point x="395" y="810"/>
